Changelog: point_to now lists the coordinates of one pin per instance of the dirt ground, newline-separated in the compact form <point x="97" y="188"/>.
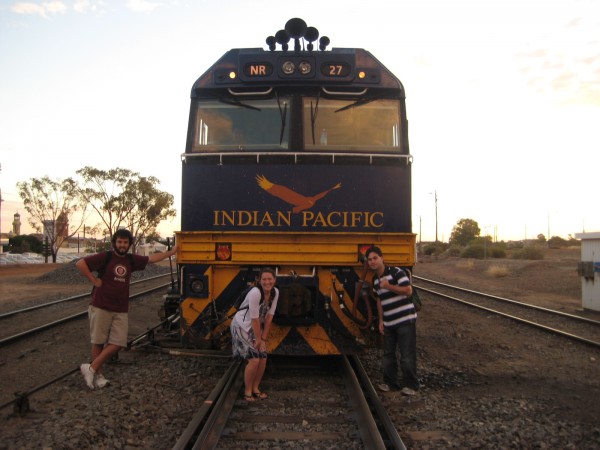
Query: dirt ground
<point x="552" y="282"/>
<point x="17" y="284"/>
<point x="501" y="360"/>
<point x="555" y="277"/>
<point x="513" y="360"/>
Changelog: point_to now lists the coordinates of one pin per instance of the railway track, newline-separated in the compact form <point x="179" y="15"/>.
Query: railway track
<point x="323" y="403"/>
<point x="20" y="402"/>
<point x="576" y="327"/>
<point x="21" y="323"/>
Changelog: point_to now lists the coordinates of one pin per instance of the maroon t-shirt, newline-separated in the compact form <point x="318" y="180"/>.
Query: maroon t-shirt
<point x="113" y="295"/>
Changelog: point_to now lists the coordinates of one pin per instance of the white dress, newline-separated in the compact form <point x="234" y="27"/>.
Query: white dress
<point x="242" y="334"/>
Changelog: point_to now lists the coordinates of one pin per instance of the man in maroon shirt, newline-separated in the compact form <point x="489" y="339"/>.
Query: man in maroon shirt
<point x="110" y="300"/>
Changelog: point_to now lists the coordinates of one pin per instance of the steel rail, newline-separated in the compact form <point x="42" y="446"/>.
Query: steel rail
<point x="392" y="438"/>
<point x="150" y="331"/>
<point x="209" y="404"/>
<point x="31" y="331"/>
<point x="367" y="427"/>
<point x="21" y="401"/>
<point x="74" y="297"/>
<point x="515" y="318"/>
<point x="515" y="302"/>
<point x="216" y="421"/>
<point x="363" y="399"/>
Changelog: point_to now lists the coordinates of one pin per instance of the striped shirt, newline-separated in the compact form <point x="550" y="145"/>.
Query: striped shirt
<point x="396" y="308"/>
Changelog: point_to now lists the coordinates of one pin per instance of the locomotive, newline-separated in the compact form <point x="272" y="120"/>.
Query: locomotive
<point x="297" y="158"/>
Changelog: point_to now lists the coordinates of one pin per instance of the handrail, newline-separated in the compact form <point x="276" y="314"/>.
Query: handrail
<point x="333" y="155"/>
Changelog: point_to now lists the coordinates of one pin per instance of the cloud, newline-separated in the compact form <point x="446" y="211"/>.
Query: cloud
<point x="43" y="9"/>
<point x="142" y="5"/>
<point x="93" y="6"/>
<point x="568" y="79"/>
<point x="566" y="63"/>
<point x="82" y="6"/>
<point x="55" y="7"/>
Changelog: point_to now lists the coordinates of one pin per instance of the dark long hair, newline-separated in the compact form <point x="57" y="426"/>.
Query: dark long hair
<point x="272" y="272"/>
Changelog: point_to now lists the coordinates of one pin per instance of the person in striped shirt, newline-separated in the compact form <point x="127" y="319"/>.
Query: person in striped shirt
<point x="397" y="323"/>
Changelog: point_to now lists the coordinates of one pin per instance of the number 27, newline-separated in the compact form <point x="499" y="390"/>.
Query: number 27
<point x="335" y="70"/>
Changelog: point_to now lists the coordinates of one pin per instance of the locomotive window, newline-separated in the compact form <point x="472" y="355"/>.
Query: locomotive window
<point x="237" y="125"/>
<point x="351" y="126"/>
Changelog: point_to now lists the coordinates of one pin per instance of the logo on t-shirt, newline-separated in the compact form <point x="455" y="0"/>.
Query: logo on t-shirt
<point x="120" y="272"/>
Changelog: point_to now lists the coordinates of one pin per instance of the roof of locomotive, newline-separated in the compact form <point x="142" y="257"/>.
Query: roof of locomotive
<point x="352" y="68"/>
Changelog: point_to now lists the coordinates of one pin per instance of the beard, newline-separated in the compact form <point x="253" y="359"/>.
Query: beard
<point x="121" y="252"/>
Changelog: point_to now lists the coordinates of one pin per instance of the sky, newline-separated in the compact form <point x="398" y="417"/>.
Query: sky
<point x="503" y="96"/>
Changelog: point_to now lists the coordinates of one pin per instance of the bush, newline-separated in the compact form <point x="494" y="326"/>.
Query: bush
<point x="498" y="271"/>
<point x="453" y="251"/>
<point x="556" y="242"/>
<point x="468" y="264"/>
<point x="529" y="252"/>
<point x="24" y="244"/>
<point x="434" y="248"/>
<point x="511" y="245"/>
<point x="496" y="251"/>
<point x="473" y="251"/>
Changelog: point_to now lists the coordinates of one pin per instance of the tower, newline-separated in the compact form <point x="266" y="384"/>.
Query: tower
<point x="16" y="225"/>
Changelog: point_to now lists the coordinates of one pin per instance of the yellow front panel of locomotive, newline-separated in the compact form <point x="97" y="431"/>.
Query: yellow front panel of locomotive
<point x="329" y="249"/>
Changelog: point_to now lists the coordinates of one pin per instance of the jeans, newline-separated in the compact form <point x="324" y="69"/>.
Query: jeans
<point x="403" y="338"/>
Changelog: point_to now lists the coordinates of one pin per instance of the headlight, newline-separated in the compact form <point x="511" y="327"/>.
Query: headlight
<point x="197" y="286"/>
<point x="304" y="67"/>
<point x="288" y="67"/>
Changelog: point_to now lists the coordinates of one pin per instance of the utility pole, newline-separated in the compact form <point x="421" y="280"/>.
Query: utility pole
<point x="436" y="217"/>
<point x="420" y="248"/>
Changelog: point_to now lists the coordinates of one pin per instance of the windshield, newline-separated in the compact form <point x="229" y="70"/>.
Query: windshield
<point x="231" y="125"/>
<point x="361" y="125"/>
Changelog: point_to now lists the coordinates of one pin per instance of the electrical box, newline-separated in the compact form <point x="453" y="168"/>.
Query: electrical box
<point x="589" y="270"/>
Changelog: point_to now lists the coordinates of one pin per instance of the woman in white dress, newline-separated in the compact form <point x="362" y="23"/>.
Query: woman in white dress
<point x="250" y="329"/>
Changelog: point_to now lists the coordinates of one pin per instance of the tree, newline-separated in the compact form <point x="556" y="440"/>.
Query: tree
<point x="25" y="243"/>
<point x="464" y="232"/>
<point x="123" y="198"/>
<point x="52" y="206"/>
<point x="154" y="237"/>
<point x="557" y="242"/>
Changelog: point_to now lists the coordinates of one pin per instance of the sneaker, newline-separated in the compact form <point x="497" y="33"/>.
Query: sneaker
<point x="100" y="381"/>
<point x="408" y="391"/>
<point x="88" y="375"/>
<point x="384" y="387"/>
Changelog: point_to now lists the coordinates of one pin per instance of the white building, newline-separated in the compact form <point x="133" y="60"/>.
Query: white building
<point x="589" y="270"/>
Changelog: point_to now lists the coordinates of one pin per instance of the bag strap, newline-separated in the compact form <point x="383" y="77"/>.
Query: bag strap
<point x="102" y="268"/>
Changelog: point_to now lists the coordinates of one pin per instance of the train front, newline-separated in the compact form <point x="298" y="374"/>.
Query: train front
<point x="296" y="160"/>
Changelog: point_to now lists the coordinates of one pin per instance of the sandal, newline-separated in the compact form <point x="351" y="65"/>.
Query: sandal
<point x="249" y="398"/>
<point x="260" y="395"/>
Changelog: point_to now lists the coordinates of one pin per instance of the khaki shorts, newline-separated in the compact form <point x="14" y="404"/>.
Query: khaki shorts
<point x="108" y="327"/>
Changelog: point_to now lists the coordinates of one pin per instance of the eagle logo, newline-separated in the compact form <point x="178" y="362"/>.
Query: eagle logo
<point x="298" y="201"/>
